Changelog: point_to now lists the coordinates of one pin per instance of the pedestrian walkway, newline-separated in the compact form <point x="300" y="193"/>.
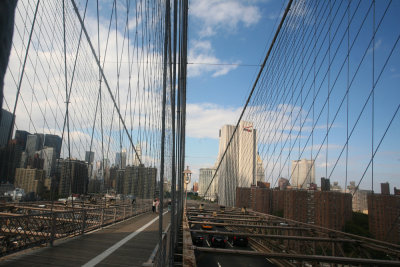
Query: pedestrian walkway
<point x="129" y="243"/>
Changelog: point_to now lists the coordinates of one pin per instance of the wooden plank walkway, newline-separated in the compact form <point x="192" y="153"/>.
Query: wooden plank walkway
<point x="87" y="248"/>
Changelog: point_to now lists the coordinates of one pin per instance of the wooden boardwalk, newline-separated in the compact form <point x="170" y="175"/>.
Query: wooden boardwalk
<point x="91" y="249"/>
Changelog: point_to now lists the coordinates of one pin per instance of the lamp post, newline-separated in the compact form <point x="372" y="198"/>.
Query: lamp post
<point x="187" y="174"/>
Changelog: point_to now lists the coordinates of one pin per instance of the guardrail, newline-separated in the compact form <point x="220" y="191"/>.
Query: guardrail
<point x="19" y="232"/>
<point x="155" y="259"/>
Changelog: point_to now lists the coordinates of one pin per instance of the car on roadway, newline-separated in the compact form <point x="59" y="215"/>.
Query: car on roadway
<point x="239" y="240"/>
<point x="207" y="226"/>
<point x="217" y="240"/>
<point x="198" y="239"/>
<point x="220" y="228"/>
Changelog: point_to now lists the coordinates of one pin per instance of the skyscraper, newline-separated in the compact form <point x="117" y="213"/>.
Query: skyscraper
<point x="120" y="159"/>
<point x="89" y="157"/>
<point x="21" y="137"/>
<point x="55" y="141"/>
<point x="10" y="157"/>
<point x="140" y="181"/>
<point x="137" y="156"/>
<point x="73" y="177"/>
<point x="123" y="158"/>
<point x="205" y="177"/>
<point x="303" y="173"/>
<point x="31" y="180"/>
<point x="48" y="154"/>
<point x="5" y="124"/>
<point x="240" y="166"/>
<point x="34" y="143"/>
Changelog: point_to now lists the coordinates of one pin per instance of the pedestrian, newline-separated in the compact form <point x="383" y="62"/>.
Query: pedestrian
<point x="157" y="204"/>
<point x="153" y="207"/>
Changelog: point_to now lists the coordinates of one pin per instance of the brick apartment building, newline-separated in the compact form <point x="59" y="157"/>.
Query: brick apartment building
<point x="332" y="209"/>
<point x="328" y="209"/>
<point x="383" y="217"/>
<point x="295" y="205"/>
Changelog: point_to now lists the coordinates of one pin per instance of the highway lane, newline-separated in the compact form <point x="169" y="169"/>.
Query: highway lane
<point x="206" y="259"/>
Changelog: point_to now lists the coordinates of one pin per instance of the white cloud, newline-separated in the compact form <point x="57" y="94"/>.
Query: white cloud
<point x="41" y="105"/>
<point x="202" y="60"/>
<point x="378" y="43"/>
<point x="204" y="120"/>
<point x="223" y="15"/>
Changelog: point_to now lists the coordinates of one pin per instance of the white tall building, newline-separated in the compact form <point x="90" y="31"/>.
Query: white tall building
<point x="260" y="169"/>
<point x="205" y="177"/>
<point x="120" y="159"/>
<point x="137" y="155"/>
<point x="303" y="173"/>
<point x="240" y="166"/>
<point x="49" y="156"/>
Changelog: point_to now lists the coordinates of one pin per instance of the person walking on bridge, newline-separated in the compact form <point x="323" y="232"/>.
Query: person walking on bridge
<point x="153" y="207"/>
<point x="157" y="204"/>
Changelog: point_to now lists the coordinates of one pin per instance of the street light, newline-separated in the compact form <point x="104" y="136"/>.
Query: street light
<point x="187" y="174"/>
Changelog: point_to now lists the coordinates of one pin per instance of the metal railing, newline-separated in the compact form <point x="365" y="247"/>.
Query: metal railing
<point x="158" y="257"/>
<point x="19" y="231"/>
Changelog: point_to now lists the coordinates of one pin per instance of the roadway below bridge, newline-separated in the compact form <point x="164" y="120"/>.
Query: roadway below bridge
<point x="215" y="236"/>
<point x="205" y="235"/>
<point x="204" y="259"/>
<point x="128" y="243"/>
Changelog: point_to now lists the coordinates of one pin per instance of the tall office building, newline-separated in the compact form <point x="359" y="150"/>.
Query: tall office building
<point x="260" y="169"/>
<point x="239" y="168"/>
<point x="385" y="189"/>
<point x="34" y="143"/>
<point x="55" y="141"/>
<point x="325" y="184"/>
<point x="21" y="137"/>
<point x="31" y="180"/>
<point x="205" y="177"/>
<point x="120" y="159"/>
<point x="10" y="157"/>
<point x="48" y="154"/>
<point x="283" y="183"/>
<point x="140" y="181"/>
<point x="137" y="156"/>
<point x="303" y="173"/>
<point x="5" y="124"/>
<point x="360" y="197"/>
<point x="89" y="157"/>
<point x="119" y="181"/>
<point x="73" y="177"/>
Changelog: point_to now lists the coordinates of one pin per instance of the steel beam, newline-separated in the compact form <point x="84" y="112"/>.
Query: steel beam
<point x="304" y="238"/>
<point x="302" y="257"/>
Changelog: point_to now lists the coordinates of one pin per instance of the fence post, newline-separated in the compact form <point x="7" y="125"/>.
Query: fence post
<point x="53" y="228"/>
<point x="102" y="217"/>
<point x="124" y="212"/>
<point x="83" y="221"/>
<point x="115" y="214"/>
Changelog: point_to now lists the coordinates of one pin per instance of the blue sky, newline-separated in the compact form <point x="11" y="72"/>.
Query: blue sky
<point x="232" y="32"/>
<point x="227" y="41"/>
<point x="238" y="32"/>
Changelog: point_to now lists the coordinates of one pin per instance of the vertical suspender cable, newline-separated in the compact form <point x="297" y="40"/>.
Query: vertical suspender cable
<point x="347" y="89"/>
<point x="178" y="115"/>
<point x="166" y="37"/>
<point x="184" y="66"/>
<point x="373" y="97"/>
<point x="66" y="110"/>
<point x="10" y="131"/>
<point x="105" y="79"/>
<point x="252" y="90"/>
<point x="173" y="183"/>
